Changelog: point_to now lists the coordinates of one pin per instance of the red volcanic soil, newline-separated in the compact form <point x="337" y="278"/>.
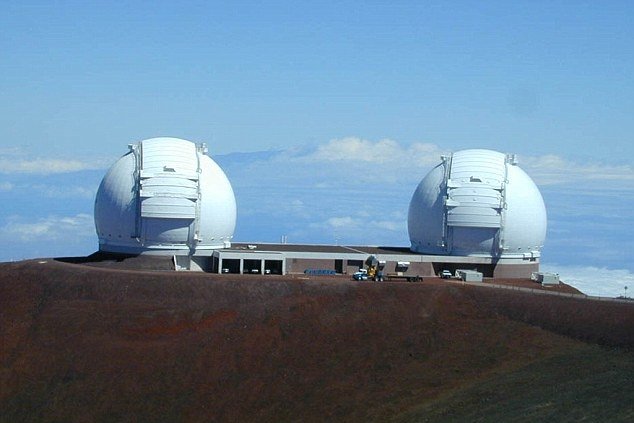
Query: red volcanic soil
<point x="82" y="343"/>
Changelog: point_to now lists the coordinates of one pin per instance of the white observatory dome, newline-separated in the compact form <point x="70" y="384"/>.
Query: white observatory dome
<point x="477" y="203"/>
<point x="165" y="196"/>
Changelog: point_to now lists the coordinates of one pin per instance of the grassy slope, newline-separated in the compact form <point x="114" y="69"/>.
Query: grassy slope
<point x="83" y="344"/>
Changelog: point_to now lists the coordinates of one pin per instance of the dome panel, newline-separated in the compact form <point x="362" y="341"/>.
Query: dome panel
<point x="526" y="217"/>
<point x="116" y="202"/>
<point x="426" y="213"/>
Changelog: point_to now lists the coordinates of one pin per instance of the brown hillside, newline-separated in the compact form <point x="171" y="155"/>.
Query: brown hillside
<point x="81" y="343"/>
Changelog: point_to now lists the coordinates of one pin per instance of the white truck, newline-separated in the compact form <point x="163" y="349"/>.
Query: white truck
<point x="445" y="274"/>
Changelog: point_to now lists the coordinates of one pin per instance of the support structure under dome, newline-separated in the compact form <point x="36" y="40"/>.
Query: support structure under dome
<point x="165" y="196"/>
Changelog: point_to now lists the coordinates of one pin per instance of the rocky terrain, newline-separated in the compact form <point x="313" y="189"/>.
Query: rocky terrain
<point x="99" y="343"/>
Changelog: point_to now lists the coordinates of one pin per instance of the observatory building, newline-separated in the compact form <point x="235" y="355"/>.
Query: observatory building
<point x="477" y="203"/>
<point x="165" y="196"/>
<point x="475" y="211"/>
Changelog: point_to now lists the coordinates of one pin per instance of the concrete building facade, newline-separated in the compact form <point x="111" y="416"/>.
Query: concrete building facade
<point x="345" y="260"/>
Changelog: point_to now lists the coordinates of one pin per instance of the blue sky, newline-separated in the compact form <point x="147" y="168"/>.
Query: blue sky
<point x="300" y="85"/>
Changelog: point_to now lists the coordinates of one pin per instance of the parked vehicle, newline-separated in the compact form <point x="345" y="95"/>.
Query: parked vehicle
<point x="446" y="274"/>
<point x="402" y="276"/>
<point x="361" y="275"/>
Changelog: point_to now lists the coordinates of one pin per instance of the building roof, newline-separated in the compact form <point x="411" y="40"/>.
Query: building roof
<point x="316" y="248"/>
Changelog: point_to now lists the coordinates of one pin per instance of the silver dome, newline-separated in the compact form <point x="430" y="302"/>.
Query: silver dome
<point x="165" y="195"/>
<point x="477" y="203"/>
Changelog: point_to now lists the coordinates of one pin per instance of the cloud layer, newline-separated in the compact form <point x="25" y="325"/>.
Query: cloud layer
<point x="50" y="228"/>
<point x="347" y="191"/>
<point x="338" y="192"/>
<point x="596" y="281"/>
<point x="555" y="170"/>
<point x="19" y="161"/>
<point x="382" y="152"/>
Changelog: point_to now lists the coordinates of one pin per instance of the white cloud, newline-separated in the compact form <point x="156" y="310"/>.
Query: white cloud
<point x="48" y="229"/>
<point x="19" y="160"/>
<point x="52" y="191"/>
<point x="6" y="186"/>
<point x="353" y="149"/>
<point x="339" y="164"/>
<point x="391" y="161"/>
<point x="552" y="169"/>
<point x="353" y="159"/>
<point x="360" y="228"/>
<point x="595" y="281"/>
<point x="346" y="161"/>
<point x="342" y="222"/>
<point x="46" y="166"/>
<point x="364" y="220"/>
<point x="389" y="225"/>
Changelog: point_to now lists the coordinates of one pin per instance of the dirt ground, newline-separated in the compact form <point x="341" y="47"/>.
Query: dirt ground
<point x="89" y="343"/>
